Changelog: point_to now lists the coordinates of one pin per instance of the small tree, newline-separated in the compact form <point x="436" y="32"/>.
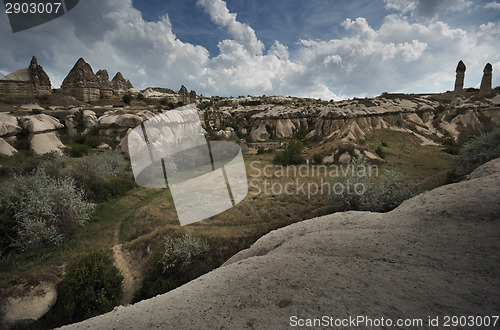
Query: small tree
<point x="292" y="155"/>
<point x="91" y="287"/>
<point x="127" y="98"/>
<point x="318" y="159"/>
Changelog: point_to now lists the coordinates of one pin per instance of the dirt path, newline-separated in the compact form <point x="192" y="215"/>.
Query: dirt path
<point x="130" y="270"/>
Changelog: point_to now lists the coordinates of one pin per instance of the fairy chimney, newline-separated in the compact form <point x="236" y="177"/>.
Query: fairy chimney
<point x="459" y="81"/>
<point x="485" y="88"/>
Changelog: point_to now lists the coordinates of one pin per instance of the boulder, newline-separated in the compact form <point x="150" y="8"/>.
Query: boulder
<point x="40" y="123"/>
<point x="46" y="143"/>
<point x="6" y="149"/>
<point x="120" y="119"/>
<point x="345" y="158"/>
<point x="8" y="125"/>
<point x="260" y="133"/>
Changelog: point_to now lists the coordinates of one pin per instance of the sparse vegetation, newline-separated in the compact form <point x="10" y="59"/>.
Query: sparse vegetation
<point x="479" y="151"/>
<point x="318" y="159"/>
<point x="44" y="209"/>
<point x="91" y="287"/>
<point x="292" y="155"/>
<point x="127" y="98"/>
<point x="376" y="194"/>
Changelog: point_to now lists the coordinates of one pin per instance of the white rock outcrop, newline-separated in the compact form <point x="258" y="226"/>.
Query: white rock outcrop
<point x="8" y="125"/>
<point x="6" y="149"/>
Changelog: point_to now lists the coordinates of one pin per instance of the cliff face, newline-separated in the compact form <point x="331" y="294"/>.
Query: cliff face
<point x="436" y="254"/>
<point x="86" y="86"/>
<point x="82" y="83"/>
<point x="28" y="82"/>
<point x="351" y="120"/>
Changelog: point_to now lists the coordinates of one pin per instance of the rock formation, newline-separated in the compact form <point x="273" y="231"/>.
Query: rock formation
<point x="82" y="83"/>
<point x="120" y="84"/>
<point x="43" y="136"/>
<point x="105" y="85"/>
<point x="192" y="97"/>
<point x="485" y="88"/>
<point x="9" y="128"/>
<point x="436" y="254"/>
<point x="28" y="82"/>
<point x="459" y="80"/>
<point x="184" y="95"/>
<point x="80" y="119"/>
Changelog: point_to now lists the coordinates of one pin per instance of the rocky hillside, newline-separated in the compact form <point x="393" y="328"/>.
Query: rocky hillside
<point x="435" y="255"/>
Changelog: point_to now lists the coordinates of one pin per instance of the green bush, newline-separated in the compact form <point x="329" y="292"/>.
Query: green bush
<point x="318" y="159"/>
<point x="261" y="150"/>
<point x="181" y="260"/>
<point x="373" y="193"/>
<point x="43" y="208"/>
<point x="479" y="151"/>
<point x="127" y="98"/>
<point x="78" y="150"/>
<point x="88" y="171"/>
<point x="292" y="155"/>
<point x="104" y="190"/>
<point x="451" y="146"/>
<point x="91" y="287"/>
<point x="380" y="151"/>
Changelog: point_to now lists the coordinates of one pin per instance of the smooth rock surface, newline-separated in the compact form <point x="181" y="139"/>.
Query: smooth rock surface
<point x="6" y="149"/>
<point x="40" y="123"/>
<point x="8" y="125"/>
<point x="45" y="143"/>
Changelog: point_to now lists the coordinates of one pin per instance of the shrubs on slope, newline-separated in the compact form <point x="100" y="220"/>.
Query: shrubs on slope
<point x="181" y="260"/>
<point x="91" y="287"/>
<point x="374" y="193"/>
<point x="43" y="209"/>
<point x="479" y="151"/>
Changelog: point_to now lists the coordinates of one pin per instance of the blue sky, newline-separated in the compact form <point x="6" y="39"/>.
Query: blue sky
<point x="315" y="48"/>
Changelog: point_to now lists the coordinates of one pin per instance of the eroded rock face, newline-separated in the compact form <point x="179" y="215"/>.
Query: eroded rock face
<point x="80" y="120"/>
<point x="119" y="121"/>
<point x="6" y="149"/>
<point x="8" y="125"/>
<point x="436" y="254"/>
<point x="82" y="83"/>
<point x="40" y="123"/>
<point x="105" y="86"/>
<point x="27" y="82"/>
<point x="45" y="143"/>
<point x="485" y="88"/>
<point x="120" y="84"/>
<point x="459" y="79"/>
<point x="43" y="136"/>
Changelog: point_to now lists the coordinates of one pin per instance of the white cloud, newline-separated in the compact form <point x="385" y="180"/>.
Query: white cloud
<point x="221" y="16"/>
<point x="398" y="56"/>
<point x="492" y="5"/>
<point x="427" y="10"/>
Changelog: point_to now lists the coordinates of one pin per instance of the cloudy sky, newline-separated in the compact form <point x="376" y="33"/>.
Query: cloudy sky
<point x="329" y="49"/>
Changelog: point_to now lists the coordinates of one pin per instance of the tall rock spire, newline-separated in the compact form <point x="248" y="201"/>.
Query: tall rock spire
<point x="485" y="88"/>
<point x="459" y="80"/>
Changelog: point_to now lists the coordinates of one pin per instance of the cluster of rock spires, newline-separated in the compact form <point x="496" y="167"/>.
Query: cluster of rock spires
<point x="26" y="82"/>
<point x="86" y="86"/>
<point x="81" y="83"/>
<point x="485" y="87"/>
